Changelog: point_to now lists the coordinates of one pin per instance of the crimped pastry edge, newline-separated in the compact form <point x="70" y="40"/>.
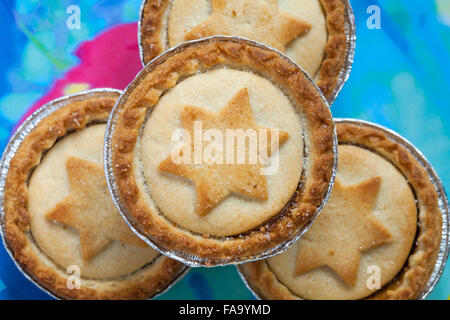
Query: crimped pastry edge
<point x="73" y="113"/>
<point x="339" y="49"/>
<point x="185" y="60"/>
<point x="414" y="277"/>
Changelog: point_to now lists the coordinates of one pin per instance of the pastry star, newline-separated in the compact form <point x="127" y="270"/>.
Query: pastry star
<point x="258" y="20"/>
<point x="343" y="231"/>
<point x="215" y="181"/>
<point x="89" y="209"/>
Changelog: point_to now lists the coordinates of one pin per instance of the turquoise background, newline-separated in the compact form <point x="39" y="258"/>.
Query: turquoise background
<point x="399" y="79"/>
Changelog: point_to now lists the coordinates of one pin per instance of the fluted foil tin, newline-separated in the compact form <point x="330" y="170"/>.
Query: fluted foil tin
<point x="13" y="145"/>
<point x="350" y="43"/>
<point x="444" y="246"/>
<point x="192" y="260"/>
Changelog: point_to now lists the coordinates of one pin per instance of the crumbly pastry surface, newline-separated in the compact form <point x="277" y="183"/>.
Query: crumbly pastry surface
<point x="95" y="236"/>
<point x="263" y="21"/>
<point x="312" y="33"/>
<point x="49" y="221"/>
<point x="223" y="199"/>
<point x="162" y="204"/>
<point x="363" y="224"/>
<point x="330" y="272"/>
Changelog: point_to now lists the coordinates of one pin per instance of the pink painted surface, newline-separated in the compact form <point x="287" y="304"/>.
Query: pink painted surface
<point x="111" y="60"/>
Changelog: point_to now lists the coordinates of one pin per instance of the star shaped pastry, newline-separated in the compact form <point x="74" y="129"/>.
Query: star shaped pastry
<point x="257" y="20"/>
<point x="90" y="209"/>
<point x="215" y="181"/>
<point x="343" y="231"/>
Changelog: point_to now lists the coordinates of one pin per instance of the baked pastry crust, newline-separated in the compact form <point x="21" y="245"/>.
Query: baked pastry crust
<point x="141" y="284"/>
<point x="197" y="57"/>
<point x="412" y="279"/>
<point x="237" y="113"/>
<point x="152" y="24"/>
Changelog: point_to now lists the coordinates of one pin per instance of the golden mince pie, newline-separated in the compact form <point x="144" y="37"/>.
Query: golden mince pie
<point x="221" y="151"/>
<point x="377" y="237"/>
<point x="316" y="34"/>
<point x="60" y="222"/>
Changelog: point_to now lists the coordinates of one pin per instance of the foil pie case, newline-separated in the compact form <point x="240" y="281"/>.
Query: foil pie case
<point x="443" y="204"/>
<point x="350" y="43"/>
<point x="189" y="259"/>
<point x="14" y="143"/>
<point x="52" y="106"/>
